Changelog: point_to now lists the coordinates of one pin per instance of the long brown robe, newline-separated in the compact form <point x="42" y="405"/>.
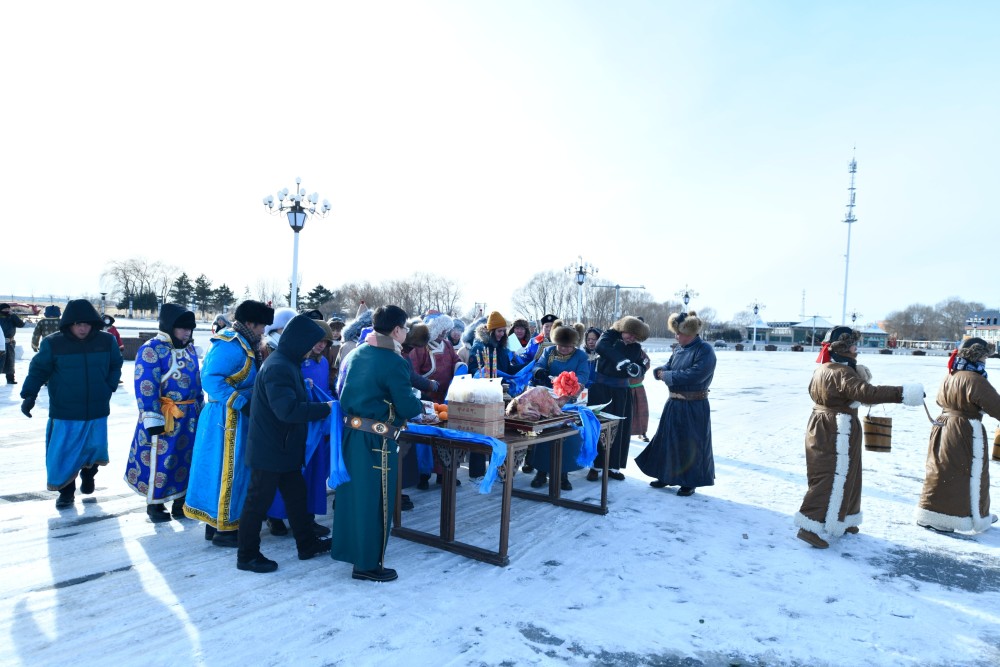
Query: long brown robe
<point x="956" y="494"/>
<point x="833" y="448"/>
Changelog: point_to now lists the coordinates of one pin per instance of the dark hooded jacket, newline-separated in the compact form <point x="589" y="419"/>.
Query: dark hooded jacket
<point x="81" y="374"/>
<point x="175" y="316"/>
<point x="281" y="409"/>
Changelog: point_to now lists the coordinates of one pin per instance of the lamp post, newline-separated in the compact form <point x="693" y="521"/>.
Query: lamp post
<point x="618" y="288"/>
<point x="580" y="270"/>
<point x="686" y="295"/>
<point x="298" y="207"/>
<point x="103" y="294"/>
<point x="757" y="306"/>
<point x="854" y="318"/>
<point x="480" y="308"/>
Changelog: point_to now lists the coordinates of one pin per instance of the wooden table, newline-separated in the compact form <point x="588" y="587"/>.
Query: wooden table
<point x="445" y="539"/>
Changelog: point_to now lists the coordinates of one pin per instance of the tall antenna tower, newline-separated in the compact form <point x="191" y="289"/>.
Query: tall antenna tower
<point x="849" y="219"/>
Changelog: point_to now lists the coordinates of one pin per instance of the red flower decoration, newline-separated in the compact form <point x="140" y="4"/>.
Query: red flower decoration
<point x="566" y="384"/>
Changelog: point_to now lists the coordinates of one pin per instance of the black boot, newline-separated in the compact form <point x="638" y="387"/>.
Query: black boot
<point x="11" y="380"/>
<point x="209" y="532"/>
<point x="564" y="483"/>
<point x="260" y="565"/>
<point x="226" y="538"/>
<point x="593" y="475"/>
<point x="319" y="545"/>
<point x="424" y="482"/>
<point x="87" y="479"/>
<point x="177" y="508"/>
<point x="379" y="574"/>
<point x="66" y="496"/>
<point x="405" y="504"/>
<point x="157" y="513"/>
<point x="541" y="479"/>
<point x="277" y="527"/>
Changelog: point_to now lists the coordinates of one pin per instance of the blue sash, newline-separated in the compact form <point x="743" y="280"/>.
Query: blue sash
<point x="338" y="470"/>
<point x="497" y="458"/>
<point x="590" y="431"/>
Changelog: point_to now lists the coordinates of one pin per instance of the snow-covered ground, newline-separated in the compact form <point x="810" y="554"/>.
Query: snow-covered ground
<point x="716" y="579"/>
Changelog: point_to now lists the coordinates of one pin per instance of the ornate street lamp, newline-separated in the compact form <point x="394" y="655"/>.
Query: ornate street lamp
<point x="103" y="295"/>
<point x="757" y="306"/>
<point x="686" y="295"/>
<point x="298" y="207"/>
<point x="580" y="270"/>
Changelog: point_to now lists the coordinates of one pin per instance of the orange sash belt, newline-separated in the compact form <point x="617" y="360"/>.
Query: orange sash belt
<point x="170" y="412"/>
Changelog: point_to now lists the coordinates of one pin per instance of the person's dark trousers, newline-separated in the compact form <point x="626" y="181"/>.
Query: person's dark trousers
<point x="260" y="495"/>
<point x="477" y="464"/>
<point x="8" y="363"/>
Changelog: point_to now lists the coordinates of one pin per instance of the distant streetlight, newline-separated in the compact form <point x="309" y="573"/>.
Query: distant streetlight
<point x="103" y="295"/>
<point x="580" y="270"/>
<point x="617" y="289"/>
<point x="297" y="212"/>
<point x="686" y="295"/>
<point x="480" y="308"/>
<point x="757" y="306"/>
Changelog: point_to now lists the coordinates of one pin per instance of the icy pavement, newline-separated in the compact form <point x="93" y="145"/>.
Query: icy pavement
<point x="714" y="579"/>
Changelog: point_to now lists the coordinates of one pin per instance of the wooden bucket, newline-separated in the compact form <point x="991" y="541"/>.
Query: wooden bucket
<point x="878" y="433"/>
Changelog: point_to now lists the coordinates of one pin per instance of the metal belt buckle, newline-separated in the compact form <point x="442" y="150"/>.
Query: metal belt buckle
<point x="356" y="422"/>
<point x="380" y="428"/>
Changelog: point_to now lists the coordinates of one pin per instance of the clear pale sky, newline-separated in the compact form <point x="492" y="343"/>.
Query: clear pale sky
<point x="668" y="143"/>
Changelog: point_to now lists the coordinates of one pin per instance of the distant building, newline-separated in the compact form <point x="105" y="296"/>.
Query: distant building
<point x="984" y="324"/>
<point x="873" y="336"/>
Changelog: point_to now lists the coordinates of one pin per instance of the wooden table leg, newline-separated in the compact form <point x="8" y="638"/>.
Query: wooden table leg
<point x="448" y="497"/>
<point x="508" y="486"/>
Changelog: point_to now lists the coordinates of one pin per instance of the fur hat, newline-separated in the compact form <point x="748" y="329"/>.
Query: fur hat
<point x="549" y="317"/>
<point x="327" y="331"/>
<point x="438" y="324"/>
<point x="592" y="330"/>
<point x="567" y="336"/>
<point x="687" y="323"/>
<point x="495" y="321"/>
<point x="53" y="311"/>
<point x="469" y="335"/>
<point x="841" y="339"/>
<point x="254" y="311"/>
<point x="636" y="327"/>
<point x="521" y="322"/>
<point x="282" y="316"/>
<point x="353" y="330"/>
<point x="336" y="323"/>
<point x="419" y="335"/>
<point x="387" y="318"/>
<point x="975" y="350"/>
<point x="458" y="324"/>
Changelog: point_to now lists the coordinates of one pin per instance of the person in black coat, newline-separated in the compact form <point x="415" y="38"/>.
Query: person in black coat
<point x="9" y="324"/>
<point x="620" y="361"/>
<point x="81" y="366"/>
<point x="276" y="446"/>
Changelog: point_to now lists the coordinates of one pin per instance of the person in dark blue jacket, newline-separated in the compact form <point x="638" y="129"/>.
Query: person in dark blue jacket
<point x="681" y="451"/>
<point x="276" y="446"/>
<point x="81" y="365"/>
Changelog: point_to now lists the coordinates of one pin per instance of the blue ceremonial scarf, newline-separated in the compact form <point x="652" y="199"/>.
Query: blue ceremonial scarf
<point x="338" y="470"/>
<point x="425" y="459"/>
<point x="590" y="431"/>
<point x="497" y="458"/>
<point x="319" y="429"/>
<point x="962" y="364"/>
<point x="518" y="382"/>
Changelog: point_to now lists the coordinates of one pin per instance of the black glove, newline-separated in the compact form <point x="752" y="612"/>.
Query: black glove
<point x="156" y="430"/>
<point x="26" y="406"/>
<point x="246" y="408"/>
<point x="540" y="376"/>
<point x="633" y="369"/>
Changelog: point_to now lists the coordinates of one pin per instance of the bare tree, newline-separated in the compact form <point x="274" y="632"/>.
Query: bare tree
<point x="953" y="314"/>
<point x="270" y="291"/>
<point x="547" y="292"/>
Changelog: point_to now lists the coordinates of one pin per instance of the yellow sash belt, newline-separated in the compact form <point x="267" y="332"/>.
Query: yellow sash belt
<point x="170" y="412"/>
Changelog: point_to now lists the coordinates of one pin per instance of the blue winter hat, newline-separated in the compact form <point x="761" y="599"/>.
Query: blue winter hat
<point x="52" y="311"/>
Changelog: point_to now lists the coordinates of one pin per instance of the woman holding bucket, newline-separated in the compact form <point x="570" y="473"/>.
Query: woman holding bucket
<point x="832" y="505"/>
<point x="956" y="493"/>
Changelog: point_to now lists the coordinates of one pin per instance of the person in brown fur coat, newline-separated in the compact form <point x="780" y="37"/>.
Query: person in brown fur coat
<point x="832" y="504"/>
<point x="956" y="494"/>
